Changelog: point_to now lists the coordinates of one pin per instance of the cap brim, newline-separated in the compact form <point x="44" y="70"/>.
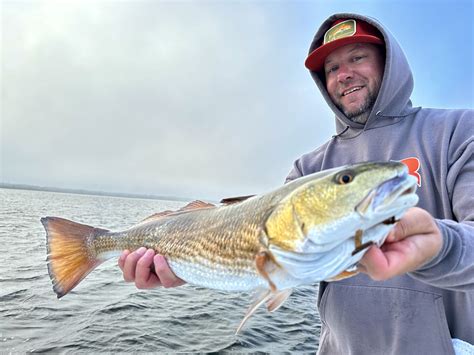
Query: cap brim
<point x="315" y="60"/>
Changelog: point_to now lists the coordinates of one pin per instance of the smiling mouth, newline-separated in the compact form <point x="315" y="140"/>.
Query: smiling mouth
<point x="351" y="90"/>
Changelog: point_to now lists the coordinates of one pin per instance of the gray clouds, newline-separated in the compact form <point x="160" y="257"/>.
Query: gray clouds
<point x="155" y="97"/>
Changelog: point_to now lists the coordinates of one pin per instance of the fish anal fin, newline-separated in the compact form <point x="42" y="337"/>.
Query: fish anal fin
<point x="277" y="299"/>
<point x="261" y="298"/>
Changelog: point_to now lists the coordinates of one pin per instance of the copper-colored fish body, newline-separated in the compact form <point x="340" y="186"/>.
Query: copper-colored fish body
<point x="312" y="229"/>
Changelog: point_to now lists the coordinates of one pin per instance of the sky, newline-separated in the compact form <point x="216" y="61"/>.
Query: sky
<point x="192" y="99"/>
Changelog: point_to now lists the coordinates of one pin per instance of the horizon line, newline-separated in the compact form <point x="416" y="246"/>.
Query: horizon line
<point x="78" y="191"/>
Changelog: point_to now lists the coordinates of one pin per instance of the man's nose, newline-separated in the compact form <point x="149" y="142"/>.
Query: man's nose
<point x="344" y="73"/>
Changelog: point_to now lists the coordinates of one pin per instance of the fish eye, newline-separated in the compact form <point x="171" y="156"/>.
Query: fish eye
<point x="345" y="177"/>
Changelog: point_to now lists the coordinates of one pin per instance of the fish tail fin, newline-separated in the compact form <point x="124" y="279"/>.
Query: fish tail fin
<point x="70" y="258"/>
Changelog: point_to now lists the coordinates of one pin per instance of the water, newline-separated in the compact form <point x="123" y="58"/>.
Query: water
<point x="106" y="314"/>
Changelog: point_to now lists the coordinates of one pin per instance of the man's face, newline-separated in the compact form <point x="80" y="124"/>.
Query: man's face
<point x="353" y="76"/>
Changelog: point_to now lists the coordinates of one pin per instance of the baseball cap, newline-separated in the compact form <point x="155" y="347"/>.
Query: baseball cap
<point x="342" y="32"/>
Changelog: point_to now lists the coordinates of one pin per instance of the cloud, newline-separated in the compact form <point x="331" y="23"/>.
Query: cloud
<point x="154" y="97"/>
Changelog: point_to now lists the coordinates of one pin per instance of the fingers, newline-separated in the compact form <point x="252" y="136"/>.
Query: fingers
<point x="138" y="267"/>
<point x="166" y="276"/>
<point x="121" y="260"/>
<point x="144" y="276"/>
<point x="376" y="264"/>
<point x="130" y="264"/>
<point x="414" y="241"/>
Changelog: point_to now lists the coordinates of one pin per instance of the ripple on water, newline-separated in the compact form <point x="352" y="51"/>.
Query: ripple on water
<point x="105" y="314"/>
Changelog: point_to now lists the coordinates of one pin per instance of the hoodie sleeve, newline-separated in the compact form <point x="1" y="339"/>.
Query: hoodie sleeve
<point x="308" y="163"/>
<point x="453" y="267"/>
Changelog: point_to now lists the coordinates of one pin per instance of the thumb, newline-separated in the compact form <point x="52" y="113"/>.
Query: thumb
<point x="415" y="221"/>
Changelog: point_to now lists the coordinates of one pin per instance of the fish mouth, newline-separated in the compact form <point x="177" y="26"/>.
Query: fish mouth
<point x="382" y="207"/>
<point x="394" y="195"/>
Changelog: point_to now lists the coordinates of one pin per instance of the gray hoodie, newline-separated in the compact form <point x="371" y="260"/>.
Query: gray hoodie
<point x="419" y="312"/>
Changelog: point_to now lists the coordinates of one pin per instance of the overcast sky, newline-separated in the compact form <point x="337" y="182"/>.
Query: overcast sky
<point x="192" y="99"/>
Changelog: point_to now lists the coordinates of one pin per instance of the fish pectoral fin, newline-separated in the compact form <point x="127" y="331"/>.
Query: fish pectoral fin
<point x="261" y="298"/>
<point x="193" y="205"/>
<point x="277" y="299"/>
<point x="265" y="263"/>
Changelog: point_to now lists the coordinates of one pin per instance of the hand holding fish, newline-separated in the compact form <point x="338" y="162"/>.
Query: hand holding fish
<point x="414" y="241"/>
<point x="147" y="270"/>
<point x="312" y="229"/>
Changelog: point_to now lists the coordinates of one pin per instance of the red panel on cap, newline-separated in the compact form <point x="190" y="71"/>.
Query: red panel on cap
<point x="364" y="33"/>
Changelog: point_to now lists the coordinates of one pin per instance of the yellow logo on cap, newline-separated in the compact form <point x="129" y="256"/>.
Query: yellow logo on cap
<point x="344" y="29"/>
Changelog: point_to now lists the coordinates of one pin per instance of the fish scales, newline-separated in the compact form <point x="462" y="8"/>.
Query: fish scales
<point x="229" y="236"/>
<point x="315" y="228"/>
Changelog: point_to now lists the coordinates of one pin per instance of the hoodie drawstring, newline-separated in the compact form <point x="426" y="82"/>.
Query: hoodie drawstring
<point x="341" y="133"/>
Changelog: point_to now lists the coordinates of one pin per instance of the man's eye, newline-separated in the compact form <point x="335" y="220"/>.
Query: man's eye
<point x="332" y="69"/>
<point x="357" y="58"/>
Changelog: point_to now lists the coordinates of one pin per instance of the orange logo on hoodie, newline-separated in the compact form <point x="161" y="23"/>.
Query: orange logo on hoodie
<point x="413" y="165"/>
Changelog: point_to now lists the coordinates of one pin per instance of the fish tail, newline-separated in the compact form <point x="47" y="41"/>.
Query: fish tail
<point x="70" y="255"/>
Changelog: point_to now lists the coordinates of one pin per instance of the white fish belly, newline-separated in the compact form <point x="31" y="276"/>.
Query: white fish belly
<point x="218" y="277"/>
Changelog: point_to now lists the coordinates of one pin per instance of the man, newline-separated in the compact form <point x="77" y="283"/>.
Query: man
<point x="416" y="292"/>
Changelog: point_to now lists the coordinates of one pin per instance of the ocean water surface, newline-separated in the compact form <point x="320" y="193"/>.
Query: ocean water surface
<point x="105" y="314"/>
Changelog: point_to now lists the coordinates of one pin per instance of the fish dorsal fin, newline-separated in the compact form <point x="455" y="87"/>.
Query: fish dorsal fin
<point x="195" y="205"/>
<point x="260" y="298"/>
<point x="237" y="199"/>
<point x="156" y="216"/>
<point x="192" y="206"/>
<point x="277" y="299"/>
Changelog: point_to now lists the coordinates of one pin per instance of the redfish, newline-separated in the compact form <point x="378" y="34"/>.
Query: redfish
<point x="314" y="228"/>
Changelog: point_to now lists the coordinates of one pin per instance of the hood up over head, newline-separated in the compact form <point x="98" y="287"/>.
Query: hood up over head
<point x="393" y="101"/>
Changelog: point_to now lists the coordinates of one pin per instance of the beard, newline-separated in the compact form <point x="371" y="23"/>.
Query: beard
<point x="359" y="114"/>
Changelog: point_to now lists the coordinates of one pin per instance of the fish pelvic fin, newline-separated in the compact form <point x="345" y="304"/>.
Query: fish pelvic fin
<point x="343" y="275"/>
<point x="261" y="298"/>
<point x="277" y="299"/>
<point x="273" y="300"/>
<point x="266" y="264"/>
<point x="70" y="258"/>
